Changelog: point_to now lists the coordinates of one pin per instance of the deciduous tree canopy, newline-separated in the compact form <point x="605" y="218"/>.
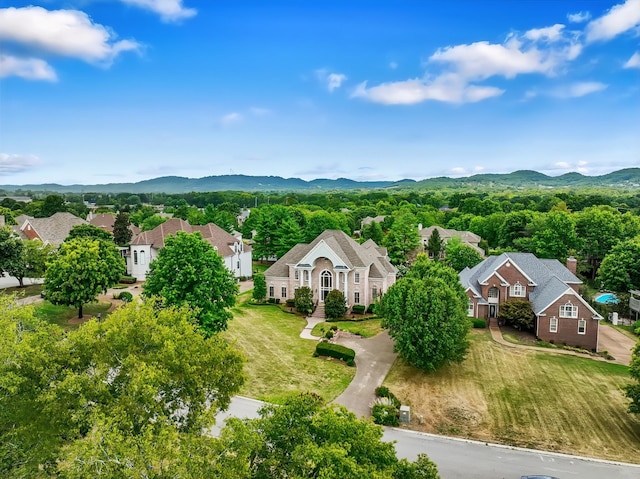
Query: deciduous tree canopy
<point x="188" y="271"/>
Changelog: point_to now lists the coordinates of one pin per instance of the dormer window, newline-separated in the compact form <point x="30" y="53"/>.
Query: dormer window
<point x="517" y="290"/>
<point x="568" y="310"/>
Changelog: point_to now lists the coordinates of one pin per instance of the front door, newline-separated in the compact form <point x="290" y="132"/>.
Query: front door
<point x="326" y="284"/>
<point x="493" y="310"/>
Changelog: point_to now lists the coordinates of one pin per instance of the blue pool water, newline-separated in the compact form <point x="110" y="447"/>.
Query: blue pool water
<point x="607" y="298"/>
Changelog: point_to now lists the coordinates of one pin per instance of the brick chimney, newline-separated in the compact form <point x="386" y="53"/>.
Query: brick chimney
<point x="572" y="264"/>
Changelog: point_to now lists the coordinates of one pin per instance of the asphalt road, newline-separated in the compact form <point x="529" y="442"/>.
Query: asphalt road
<point x="462" y="459"/>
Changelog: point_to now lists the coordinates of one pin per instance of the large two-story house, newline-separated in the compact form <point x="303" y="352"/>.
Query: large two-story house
<point x="562" y="315"/>
<point x="332" y="261"/>
<point x="145" y="246"/>
<point x="52" y="230"/>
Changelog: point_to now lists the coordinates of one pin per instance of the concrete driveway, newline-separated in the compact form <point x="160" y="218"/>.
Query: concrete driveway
<point x="618" y="344"/>
<point x="374" y="358"/>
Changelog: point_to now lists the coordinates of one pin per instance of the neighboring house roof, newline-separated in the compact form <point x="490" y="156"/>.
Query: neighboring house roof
<point x="550" y="278"/>
<point x="446" y="234"/>
<point x="352" y="254"/>
<point x="104" y="221"/>
<point x="211" y="233"/>
<point x="52" y="230"/>
<point x="369" y="219"/>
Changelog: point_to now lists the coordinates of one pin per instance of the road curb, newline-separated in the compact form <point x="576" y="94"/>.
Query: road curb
<point x="515" y="448"/>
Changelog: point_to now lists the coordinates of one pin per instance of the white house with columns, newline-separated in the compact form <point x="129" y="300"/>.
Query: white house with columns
<point x="362" y="272"/>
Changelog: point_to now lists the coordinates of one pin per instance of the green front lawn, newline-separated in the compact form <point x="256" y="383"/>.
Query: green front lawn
<point x="30" y="290"/>
<point x="366" y="328"/>
<point x="278" y="361"/>
<point x="67" y="316"/>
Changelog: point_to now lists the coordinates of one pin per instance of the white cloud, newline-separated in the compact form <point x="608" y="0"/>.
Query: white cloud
<point x="550" y="34"/>
<point x="69" y="33"/>
<point x="634" y="61"/>
<point x="542" y="51"/>
<point x="169" y="10"/>
<point x="335" y="80"/>
<point x="332" y="81"/>
<point x="230" y="119"/>
<point x="27" y="68"/>
<point x="619" y="19"/>
<point x="446" y="88"/>
<point x="393" y="65"/>
<point x="561" y="165"/>
<point x="577" y="90"/>
<point x="579" y="17"/>
<point x="11" y="163"/>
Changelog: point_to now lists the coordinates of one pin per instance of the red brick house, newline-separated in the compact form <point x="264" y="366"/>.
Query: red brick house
<point x="562" y="315"/>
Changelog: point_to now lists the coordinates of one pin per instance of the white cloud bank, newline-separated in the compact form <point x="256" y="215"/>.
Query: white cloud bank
<point x="634" y="61"/>
<point x="619" y="19"/>
<point x="11" y="163"/>
<point x="230" y="119"/>
<point x="332" y="81"/>
<point x="27" y="68"/>
<point x="169" y="10"/>
<point x="67" y="33"/>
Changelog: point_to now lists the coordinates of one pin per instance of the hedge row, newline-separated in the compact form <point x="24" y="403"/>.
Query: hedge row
<point x="479" y="323"/>
<point x="127" y="279"/>
<point x="337" y="351"/>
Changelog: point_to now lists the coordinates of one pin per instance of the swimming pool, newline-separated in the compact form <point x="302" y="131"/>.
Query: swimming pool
<point x="607" y="298"/>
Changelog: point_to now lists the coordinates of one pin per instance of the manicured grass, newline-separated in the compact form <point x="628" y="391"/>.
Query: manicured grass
<point x="260" y="267"/>
<point x="524" y="398"/>
<point x="30" y="290"/>
<point x="278" y="361"/>
<point x="367" y="328"/>
<point x="67" y="316"/>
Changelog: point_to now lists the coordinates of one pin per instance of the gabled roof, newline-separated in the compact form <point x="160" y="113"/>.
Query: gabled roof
<point x="104" y="221"/>
<point x="550" y="277"/>
<point x="211" y="233"/>
<point x="352" y="254"/>
<point x="465" y="236"/>
<point x="52" y="230"/>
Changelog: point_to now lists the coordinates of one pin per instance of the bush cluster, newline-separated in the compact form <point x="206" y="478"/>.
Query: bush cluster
<point x="337" y="351"/>
<point x="128" y="279"/>
<point x="383" y="392"/>
<point x="386" y="409"/>
<point x="636" y="327"/>
<point x="358" y="309"/>
<point x="479" y="323"/>
<point x="273" y="300"/>
<point x="125" y="296"/>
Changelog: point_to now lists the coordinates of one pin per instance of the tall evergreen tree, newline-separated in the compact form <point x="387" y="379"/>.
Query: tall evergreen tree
<point x="435" y="245"/>
<point x="121" y="229"/>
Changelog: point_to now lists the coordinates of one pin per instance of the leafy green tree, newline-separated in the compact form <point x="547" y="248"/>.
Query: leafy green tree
<point x="142" y="213"/>
<point x="122" y="229"/>
<point x="189" y="271"/>
<point x="32" y="260"/>
<point x="514" y="227"/>
<point x="403" y="238"/>
<point x="427" y="319"/>
<point x="51" y="205"/>
<point x="305" y="438"/>
<point x="129" y="396"/>
<point x="267" y="221"/>
<point x="259" y="287"/>
<point x="460" y="256"/>
<point x="517" y="313"/>
<point x="11" y="248"/>
<point x="633" y="389"/>
<point x="319" y="221"/>
<point x="435" y="245"/>
<point x="89" y="231"/>
<point x="620" y="268"/>
<point x="287" y="236"/>
<point x="600" y="228"/>
<point x="83" y="268"/>
<point x="557" y="236"/>
<point x="303" y="298"/>
<point x="152" y="222"/>
<point x="334" y="304"/>
<point x="424" y="268"/>
<point x="373" y="231"/>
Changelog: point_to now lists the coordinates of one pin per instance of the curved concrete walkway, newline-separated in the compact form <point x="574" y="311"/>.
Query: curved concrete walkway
<point x="374" y="358"/>
<point x="609" y="338"/>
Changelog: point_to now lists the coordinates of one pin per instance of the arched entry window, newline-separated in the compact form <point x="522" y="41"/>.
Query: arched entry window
<point x="326" y="284"/>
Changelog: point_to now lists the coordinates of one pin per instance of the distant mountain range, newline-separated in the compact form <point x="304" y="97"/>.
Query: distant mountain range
<point x="626" y="178"/>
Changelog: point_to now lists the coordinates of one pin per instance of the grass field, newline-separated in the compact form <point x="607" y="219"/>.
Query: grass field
<point x="67" y="316"/>
<point x="367" y="328"/>
<point x="524" y="398"/>
<point x="29" y="290"/>
<point x="278" y="361"/>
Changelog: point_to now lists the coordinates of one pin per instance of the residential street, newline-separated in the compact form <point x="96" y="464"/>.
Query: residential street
<point x="462" y="459"/>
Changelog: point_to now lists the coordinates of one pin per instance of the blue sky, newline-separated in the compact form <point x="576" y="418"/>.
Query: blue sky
<point x="101" y="91"/>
